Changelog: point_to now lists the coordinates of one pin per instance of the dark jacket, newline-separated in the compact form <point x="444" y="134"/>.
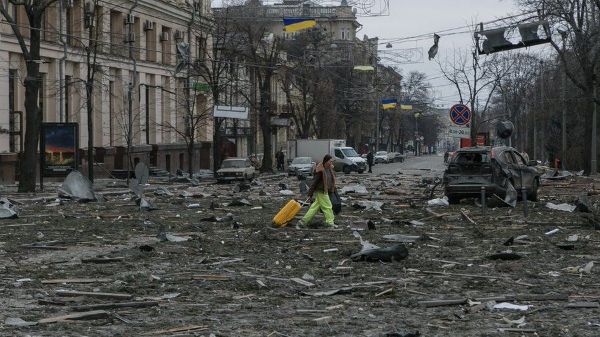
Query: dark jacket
<point x="370" y="158"/>
<point x="322" y="181"/>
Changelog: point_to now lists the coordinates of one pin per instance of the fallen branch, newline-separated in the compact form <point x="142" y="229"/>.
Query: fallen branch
<point x="95" y="314"/>
<point x="466" y="217"/>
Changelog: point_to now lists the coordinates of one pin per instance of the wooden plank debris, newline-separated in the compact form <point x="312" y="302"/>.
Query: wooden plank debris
<point x="211" y="277"/>
<point x="441" y="303"/>
<point x="140" y="304"/>
<point x="94" y="314"/>
<point x="387" y="291"/>
<point x="74" y="293"/>
<point x="466" y="217"/>
<point x="77" y="280"/>
<point x="187" y="328"/>
<point x="302" y="282"/>
<point x="103" y="260"/>
<point x="583" y="305"/>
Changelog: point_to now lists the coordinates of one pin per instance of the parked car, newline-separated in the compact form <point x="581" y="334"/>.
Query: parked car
<point x="396" y="157"/>
<point x="469" y="169"/>
<point x="236" y="169"/>
<point x="301" y="165"/>
<point x="381" y="157"/>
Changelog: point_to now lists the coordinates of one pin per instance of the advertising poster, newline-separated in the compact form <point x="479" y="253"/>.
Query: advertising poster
<point x="59" y="144"/>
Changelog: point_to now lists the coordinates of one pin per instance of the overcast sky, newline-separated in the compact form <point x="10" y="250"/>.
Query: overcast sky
<point x="416" y="17"/>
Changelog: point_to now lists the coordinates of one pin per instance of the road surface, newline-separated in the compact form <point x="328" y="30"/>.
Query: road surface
<point x="412" y="164"/>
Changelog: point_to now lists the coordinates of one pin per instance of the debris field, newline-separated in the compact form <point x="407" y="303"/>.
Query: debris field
<point x="206" y="261"/>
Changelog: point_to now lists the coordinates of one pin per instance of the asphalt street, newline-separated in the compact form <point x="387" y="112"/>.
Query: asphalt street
<point x="412" y="164"/>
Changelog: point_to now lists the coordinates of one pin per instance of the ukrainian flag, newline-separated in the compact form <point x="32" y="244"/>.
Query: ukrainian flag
<point x="389" y="104"/>
<point x="295" y="24"/>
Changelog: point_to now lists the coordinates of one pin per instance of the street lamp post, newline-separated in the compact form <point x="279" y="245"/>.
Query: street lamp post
<point x="417" y="147"/>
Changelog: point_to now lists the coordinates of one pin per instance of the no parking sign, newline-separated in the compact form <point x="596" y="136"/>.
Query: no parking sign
<point x="460" y="115"/>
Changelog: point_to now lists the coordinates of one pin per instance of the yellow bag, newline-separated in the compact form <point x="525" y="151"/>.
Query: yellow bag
<point x="287" y="213"/>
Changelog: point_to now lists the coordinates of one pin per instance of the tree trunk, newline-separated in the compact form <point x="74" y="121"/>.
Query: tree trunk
<point x="190" y="151"/>
<point x="89" y="89"/>
<point x="265" y="124"/>
<point x="28" y="163"/>
<point x="587" y="152"/>
<point x="216" y="144"/>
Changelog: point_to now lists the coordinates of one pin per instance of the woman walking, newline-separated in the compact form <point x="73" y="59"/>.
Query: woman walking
<point x="323" y="184"/>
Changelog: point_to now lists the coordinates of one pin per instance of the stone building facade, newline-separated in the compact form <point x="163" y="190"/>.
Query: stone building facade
<point x="158" y="118"/>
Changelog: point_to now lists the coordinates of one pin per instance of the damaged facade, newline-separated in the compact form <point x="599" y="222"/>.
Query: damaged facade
<point x="157" y="27"/>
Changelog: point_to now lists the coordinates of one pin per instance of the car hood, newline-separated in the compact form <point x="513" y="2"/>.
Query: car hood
<point x="301" y="166"/>
<point x="231" y="170"/>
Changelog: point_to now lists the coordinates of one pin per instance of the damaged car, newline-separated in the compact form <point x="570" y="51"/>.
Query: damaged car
<point x="495" y="168"/>
<point x="236" y="169"/>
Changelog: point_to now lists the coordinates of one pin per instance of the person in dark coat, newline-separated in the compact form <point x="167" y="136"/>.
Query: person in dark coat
<point x="370" y="160"/>
<point x="280" y="158"/>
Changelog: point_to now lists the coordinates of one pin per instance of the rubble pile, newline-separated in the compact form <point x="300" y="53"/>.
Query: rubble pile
<point x="190" y="257"/>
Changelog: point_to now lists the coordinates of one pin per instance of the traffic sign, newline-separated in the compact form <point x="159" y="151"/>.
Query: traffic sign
<point x="460" y="115"/>
<point x="459" y="132"/>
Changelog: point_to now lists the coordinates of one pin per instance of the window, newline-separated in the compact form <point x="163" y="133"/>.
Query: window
<point x="150" y="41"/>
<point x="168" y="162"/>
<point x="339" y="154"/>
<point x="147" y="114"/>
<point x="41" y="96"/>
<point x="508" y="158"/>
<point x="201" y="45"/>
<point x="111" y="107"/>
<point x="12" y="75"/>
<point x="520" y="159"/>
<point x="166" y="45"/>
<point x="351" y="153"/>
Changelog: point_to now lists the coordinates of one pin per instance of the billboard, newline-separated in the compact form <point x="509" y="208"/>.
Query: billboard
<point x="235" y="112"/>
<point x="59" y="143"/>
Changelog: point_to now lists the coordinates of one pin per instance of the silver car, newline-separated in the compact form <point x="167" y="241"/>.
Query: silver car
<point x="301" y="165"/>
<point x="236" y="169"/>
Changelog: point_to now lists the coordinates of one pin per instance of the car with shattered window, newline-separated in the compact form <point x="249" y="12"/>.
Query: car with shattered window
<point x="497" y="169"/>
<point x="236" y="169"/>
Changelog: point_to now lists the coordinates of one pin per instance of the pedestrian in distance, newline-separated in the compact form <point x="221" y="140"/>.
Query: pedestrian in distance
<point x="323" y="184"/>
<point x="370" y="160"/>
<point x="279" y="158"/>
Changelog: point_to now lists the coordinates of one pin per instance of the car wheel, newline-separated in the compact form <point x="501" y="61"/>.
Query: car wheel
<point x="453" y="199"/>
<point x="361" y="171"/>
<point x="533" y="195"/>
<point x="347" y="169"/>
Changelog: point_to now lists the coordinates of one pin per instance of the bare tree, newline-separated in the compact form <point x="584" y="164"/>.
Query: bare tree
<point x="261" y="50"/>
<point x="577" y="45"/>
<point x="307" y="89"/>
<point x="473" y="77"/>
<point x="214" y="68"/>
<point x="31" y="53"/>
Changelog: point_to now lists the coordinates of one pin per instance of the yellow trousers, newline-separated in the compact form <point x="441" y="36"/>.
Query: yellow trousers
<point x="323" y="203"/>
